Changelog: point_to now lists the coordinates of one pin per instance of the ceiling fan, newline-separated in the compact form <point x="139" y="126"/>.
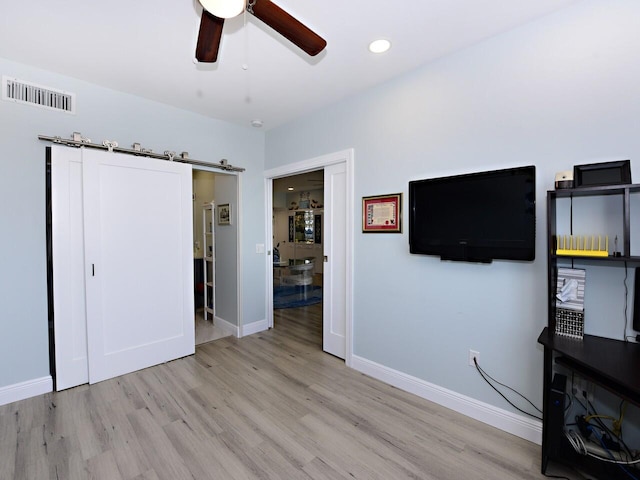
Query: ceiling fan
<point x="215" y="12"/>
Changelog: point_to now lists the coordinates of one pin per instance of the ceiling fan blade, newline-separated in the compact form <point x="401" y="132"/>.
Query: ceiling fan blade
<point x="287" y="26"/>
<point x="209" y="37"/>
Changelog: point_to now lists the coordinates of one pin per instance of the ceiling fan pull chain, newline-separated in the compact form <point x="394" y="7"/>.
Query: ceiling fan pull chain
<point x="245" y="64"/>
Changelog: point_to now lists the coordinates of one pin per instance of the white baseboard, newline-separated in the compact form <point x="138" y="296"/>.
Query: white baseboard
<point x="28" y="389"/>
<point x="255" y="327"/>
<point x="518" y="425"/>
<point x="228" y="327"/>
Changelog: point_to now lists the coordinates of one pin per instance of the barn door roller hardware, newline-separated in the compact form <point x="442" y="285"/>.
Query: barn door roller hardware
<point x="77" y="140"/>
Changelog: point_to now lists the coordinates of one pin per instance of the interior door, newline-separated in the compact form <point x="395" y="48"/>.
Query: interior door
<point x="67" y="235"/>
<point x="335" y="250"/>
<point x="138" y="262"/>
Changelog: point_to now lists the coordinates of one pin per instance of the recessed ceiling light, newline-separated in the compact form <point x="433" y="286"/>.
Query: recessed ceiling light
<point x="379" y="46"/>
<point x="290" y="189"/>
<point x="256" y="123"/>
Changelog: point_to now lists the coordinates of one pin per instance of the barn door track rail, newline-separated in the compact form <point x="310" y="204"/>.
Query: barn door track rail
<point x="77" y="140"/>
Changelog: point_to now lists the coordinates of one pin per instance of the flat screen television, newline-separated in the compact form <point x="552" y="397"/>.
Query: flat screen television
<point x="476" y="217"/>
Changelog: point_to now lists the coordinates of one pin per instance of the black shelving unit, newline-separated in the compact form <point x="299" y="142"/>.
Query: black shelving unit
<point x="609" y="363"/>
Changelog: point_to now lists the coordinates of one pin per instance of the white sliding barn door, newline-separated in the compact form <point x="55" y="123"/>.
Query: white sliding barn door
<point x="127" y="262"/>
<point x="138" y="262"/>
<point x="334" y="310"/>
<point x="67" y="237"/>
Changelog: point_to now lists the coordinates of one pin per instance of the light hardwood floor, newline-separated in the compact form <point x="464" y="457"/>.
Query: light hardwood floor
<point x="206" y="330"/>
<point x="271" y="405"/>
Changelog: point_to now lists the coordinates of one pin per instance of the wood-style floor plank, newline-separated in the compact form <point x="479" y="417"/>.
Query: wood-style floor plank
<point x="268" y="406"/>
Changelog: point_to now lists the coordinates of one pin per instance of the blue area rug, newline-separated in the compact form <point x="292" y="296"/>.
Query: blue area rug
<point x="286" y="296"/>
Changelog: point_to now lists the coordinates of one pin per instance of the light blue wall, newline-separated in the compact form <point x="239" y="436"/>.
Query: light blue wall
<point x="555" y="93"/>
<point x="101" y="114"/>
<point x="226" y="188"/>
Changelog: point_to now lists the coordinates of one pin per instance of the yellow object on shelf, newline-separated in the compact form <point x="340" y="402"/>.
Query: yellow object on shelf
<point x="582" y="246"/>
<point x="583" y="253"/>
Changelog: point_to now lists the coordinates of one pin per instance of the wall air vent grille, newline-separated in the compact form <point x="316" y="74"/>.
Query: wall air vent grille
<point x="19" y="91"/>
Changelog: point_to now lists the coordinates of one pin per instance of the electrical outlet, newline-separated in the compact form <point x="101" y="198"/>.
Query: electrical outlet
<point x="591" y="389"/>
<point x="582" y="387"/>
<point x="579" y="385"/>
<point x="473" y="354"/>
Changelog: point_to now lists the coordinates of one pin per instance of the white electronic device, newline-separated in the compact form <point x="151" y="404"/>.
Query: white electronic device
<point x="564" y="179"/>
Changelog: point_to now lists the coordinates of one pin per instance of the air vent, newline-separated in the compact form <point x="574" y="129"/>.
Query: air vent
<point x="19" y="91"/>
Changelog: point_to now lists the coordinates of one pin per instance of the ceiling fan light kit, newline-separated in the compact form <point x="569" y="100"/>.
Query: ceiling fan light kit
<point x="379" y="46"/>
<point x="223" y="8"/>
<point x="215" y="11"/>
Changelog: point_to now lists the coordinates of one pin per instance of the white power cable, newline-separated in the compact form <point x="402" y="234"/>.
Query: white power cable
<point x="577" y="442"/>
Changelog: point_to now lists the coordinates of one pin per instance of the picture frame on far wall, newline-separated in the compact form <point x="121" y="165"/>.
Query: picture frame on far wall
<point x="224" y="214"/>
<point x="382" y="214"/>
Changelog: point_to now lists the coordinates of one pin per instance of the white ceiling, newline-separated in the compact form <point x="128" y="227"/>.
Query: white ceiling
<point x="146" y="47"/>
<point x="300" y="183"/>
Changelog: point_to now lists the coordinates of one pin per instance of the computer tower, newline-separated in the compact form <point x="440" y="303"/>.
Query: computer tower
<point x="555" y="409"/>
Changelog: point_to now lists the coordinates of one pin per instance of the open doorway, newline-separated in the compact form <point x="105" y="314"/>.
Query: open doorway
<point x="337" y="245"/>
<point x="298" y="213"/>
<point x="215" y="251"/>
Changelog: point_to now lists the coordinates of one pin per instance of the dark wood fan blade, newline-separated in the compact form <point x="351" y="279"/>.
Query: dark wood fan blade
<point x="287" y="26"/>
<point x="209" y="37"/>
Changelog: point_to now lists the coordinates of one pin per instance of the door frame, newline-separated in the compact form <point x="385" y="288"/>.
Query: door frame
<point x="238" y="199"/>
<point x="317" y="163"/>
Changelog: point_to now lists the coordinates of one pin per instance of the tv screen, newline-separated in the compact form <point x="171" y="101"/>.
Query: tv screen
<point x="476" y="217"/>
